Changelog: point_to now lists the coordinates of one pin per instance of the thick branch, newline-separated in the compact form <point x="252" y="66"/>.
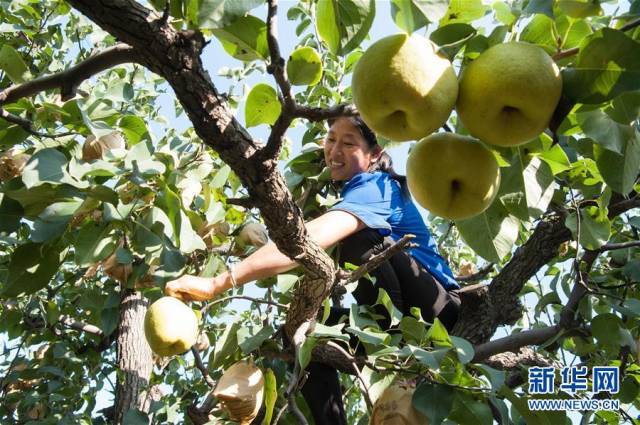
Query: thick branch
<point x="28" y="125"/>
<point x="514" y="342"/>
<point x="321" y="114"/>
<point x="69" y="80"/>
<point x="621" y="245"/>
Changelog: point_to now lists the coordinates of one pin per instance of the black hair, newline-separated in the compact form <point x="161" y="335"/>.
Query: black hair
<point x="384" y="162"/>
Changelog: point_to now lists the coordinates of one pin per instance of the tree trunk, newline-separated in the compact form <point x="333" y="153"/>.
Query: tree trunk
<point x="134" y="356"/>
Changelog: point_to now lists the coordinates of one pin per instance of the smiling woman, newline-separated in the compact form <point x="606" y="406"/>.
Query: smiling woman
<point x="376" y="210"/>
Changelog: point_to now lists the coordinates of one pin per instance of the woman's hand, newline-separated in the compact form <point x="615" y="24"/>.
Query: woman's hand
<point x="191" y="288"/>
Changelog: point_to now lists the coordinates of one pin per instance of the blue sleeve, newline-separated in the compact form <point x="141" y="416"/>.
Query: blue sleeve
<point x="368" y="197"/>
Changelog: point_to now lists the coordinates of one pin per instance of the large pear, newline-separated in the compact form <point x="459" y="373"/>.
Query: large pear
<point x="452" y="176"/>
<point x="402" y="88"/>
<point x="171" y="327"/>
<point x="508" y="94"/>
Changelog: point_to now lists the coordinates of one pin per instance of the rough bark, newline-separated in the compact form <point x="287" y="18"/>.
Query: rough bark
<point x="134" y="357"/>
<point x="481" y="316"/>
<point x="176" y="57"/>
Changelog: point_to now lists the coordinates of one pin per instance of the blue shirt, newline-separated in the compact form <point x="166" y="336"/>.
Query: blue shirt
<point x="376" y="199"/>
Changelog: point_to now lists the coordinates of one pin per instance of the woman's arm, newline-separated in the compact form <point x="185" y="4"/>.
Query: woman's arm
<point x="326" y="230"/>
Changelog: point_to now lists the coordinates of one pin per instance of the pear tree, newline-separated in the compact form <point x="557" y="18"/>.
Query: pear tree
<point x="104" y="197"/>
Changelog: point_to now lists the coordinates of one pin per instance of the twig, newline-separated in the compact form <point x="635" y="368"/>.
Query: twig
<point x="621" y="245"/>
<point x="374" y="262"/>
<point x="293" y="406"/>
<point x="243" y="202"/>
<point x="365" y="388"/>
<point x="280" y="412"/>
<point x="81" y="326"/>
<point x="241" y="297"/>
<point x="2" y="384"/>
<point x="70" y="79"/>
<point x="570" y="52"/>
<point x="28" y="125"/>
<point x="277" y="68"/>
<point x="202" y="369"/>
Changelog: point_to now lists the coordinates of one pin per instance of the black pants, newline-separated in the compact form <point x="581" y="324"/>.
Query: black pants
<point x="408" y="285"/>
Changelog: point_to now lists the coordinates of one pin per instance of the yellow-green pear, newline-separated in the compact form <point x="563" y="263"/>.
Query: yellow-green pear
<point x="403" y="89"/>
<point x="508" y="94"/>
<point x="452" y="176"/>
<point x="171" y="327"/>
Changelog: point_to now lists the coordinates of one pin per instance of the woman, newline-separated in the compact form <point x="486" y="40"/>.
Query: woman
<point x="375" y="210"/>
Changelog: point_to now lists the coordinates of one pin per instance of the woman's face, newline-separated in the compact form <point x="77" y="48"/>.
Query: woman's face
<point x="346" y="151"/>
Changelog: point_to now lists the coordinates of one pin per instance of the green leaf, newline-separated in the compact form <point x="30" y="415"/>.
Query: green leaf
<point x="595" y="227"/>
<point x="385" y="300"/>
<point x="434" y="401"/>
<point x="620" y="171"/>
<point x="249" y="343"/>
<point x="263" y="106"/>
<point x="606" y="328"/>
<point x="245" y="38"/>
<point x="135" y="417"/>
<point x="285" y="282"/>
<point x="11" y="213"/>
<point x="490" y="234"/>
<point x="608" y="64"/>
<point x="343" y="24"/>
<point x="220" y="13"/>
<point x="527" y="186"/>
<point x="504" y="13"/>
<point x="270" y="395"/>
<point x="496" y="377"/>
<point x="304" y="67"/>
<point x="572" y="32"/>
<point x="134" y="128"/>
<point x="468" y="410"/>
<point x="335" y="332"/>
<point x="540" y="31"/>
<point x="608" y="133"/>
<point x="544" y="7"/>
<point x="465" y="11"/>
<point x="31" y="268"/>
<point x="225" y="346"/>
<point x="407" y="15"/>
<point x="46" y="166"/>
<point x="52" y="222"/>
<point x="304" y="353"/>
<point x="438" y="334"/>
<point x="94" y="243"/>
<point x="370" y="336"/>
<point x="11" y="134"/>
<point x="11" y="62"/>
<point x="454" y="36"/>
<point x="413" y="331"/>
<point x="556" y="159"/>
<point x="464" y="349"/>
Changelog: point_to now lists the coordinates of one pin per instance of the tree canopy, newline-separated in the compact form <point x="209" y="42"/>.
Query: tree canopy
<point x="102" y="201"/>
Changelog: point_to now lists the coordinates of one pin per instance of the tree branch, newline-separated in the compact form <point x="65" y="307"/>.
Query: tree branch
<point x="374" y="262"/>
<point x="205" y="374"/>
<point x="514" y="342"/>
<point x="81" y="326"/>
<point x="28" y="125"/>
<point x="621" y="245"/>
<point x="277" y="68"/>
<point x="69" y="80"/>
<point x="321" y="114"/>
